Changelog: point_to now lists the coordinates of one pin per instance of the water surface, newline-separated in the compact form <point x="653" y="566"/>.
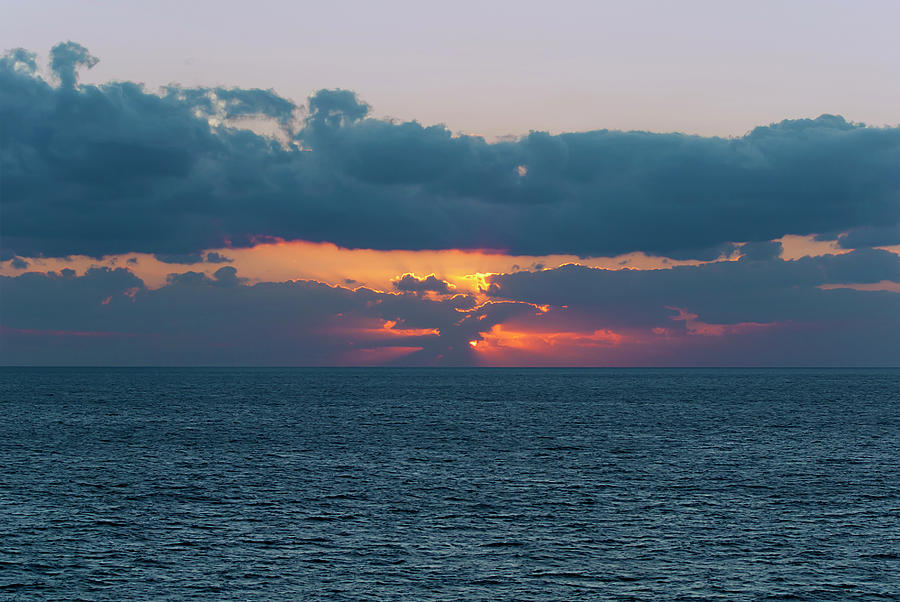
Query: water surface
<point x="384" y="484"/>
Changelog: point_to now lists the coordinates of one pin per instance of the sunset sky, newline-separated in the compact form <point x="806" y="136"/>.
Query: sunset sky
<point x="493" y="184"/>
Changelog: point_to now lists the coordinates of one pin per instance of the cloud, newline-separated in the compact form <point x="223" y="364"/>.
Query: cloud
<point x="18" y="263"/>
<point x="411" y="283"/>
<point x="226" y="276"/>
<point x="761" y="310"/>
<point x="109" y="169"/>
<point x="213" y="257"/>
<point x="756" y="311"/>
<point x="192" y="258"/>
<point x="333" y="108"/>
<point x="234" y="103"/>
<point x="182" y="258"/>
<point x="870" y="236"/>
<point x="761" y="251"/>
<point x="730" y="292"/>
<point x="65" y="58"/>
<point x="19" y="59"/>
<point x="62" y="301"/>
<point x="196" y="319"/>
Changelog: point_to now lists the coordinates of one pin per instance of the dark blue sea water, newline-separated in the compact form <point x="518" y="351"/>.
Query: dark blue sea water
<point x="383" y="484"/>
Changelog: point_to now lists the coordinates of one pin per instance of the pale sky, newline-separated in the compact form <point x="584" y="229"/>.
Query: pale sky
<point x="498" y="68"/>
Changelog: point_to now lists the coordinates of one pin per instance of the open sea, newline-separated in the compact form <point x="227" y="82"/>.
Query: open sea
<point x="449" y="484"/>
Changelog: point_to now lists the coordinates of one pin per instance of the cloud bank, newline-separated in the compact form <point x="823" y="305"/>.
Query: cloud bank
<point x="412" y="283"/>
<point x="111" y="169"/>
<point x="115" y="169"/>
<point x="748" y="312"/>
<point x="108" y="316"/>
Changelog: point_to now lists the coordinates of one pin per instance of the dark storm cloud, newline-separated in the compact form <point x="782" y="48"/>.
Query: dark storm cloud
<point x="763" y="311"/>
<point x="182" y="258"/>
<point x="213" y="257"/>
<point x="108" y="316"/>
<point x="111" y="169"/>
<point x="226" y="276"/>
<point x="63" y="301"/>
<point x="192" y="258"/>
<point x="871" y="236"/>
<point x="765" y="290"/>
<point x="763" y="250"/>
<point x="410" y="283"/>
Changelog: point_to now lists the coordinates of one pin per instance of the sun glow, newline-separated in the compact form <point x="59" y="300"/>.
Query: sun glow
<point x="500" y="338"/>
<point x="278" y="261"/>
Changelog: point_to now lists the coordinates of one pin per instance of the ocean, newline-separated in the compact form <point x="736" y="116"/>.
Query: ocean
<point x="449" y="484"/>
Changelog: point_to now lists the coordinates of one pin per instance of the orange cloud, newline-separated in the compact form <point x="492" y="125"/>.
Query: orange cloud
<point x="389" y="328"/>
<point x="501" y="344"/>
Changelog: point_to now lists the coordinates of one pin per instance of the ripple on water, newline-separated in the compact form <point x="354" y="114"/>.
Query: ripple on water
<point x="450" y="484"/>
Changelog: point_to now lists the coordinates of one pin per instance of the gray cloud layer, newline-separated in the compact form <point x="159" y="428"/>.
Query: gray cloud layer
<point x="728" y="292"/>
<point x="113" y="169"/>
<point x="108" y="316"/>
<point x="806" y="325"/>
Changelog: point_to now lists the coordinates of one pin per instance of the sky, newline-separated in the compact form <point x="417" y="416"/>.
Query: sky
<point x="489" y="184"/>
